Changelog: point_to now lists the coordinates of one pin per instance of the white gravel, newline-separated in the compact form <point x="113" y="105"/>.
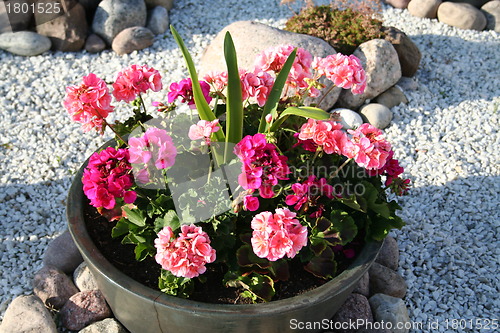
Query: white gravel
<point x="447" y="137"/>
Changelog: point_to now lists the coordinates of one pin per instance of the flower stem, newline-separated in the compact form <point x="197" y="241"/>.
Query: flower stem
<point x="324" y="95"/>
<point x="340" y="168"/>
<point x="142" y="103"/>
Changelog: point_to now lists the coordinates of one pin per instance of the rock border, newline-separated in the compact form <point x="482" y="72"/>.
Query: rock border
<point x="70" y="300"/>
<point x="90" y="25"/>
<point x="463" y="14"/>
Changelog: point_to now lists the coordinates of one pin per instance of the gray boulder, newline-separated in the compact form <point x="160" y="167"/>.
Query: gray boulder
<point x="84" y="279"/>
<point x="408" y="53"/>
<point x="377" y="114"/>
<point x="424" y="8"/>
<point x="67" y="32"/>
<point x="63" y="254"/>
<point x="158" y="20"/>
<point x="264" y="37"/>
<point x="390" y="309"/>
<point x="27" y="314"/>
<point x="132" y="39"/>
<point x="492" y="12"/>
<point x="25" y="43"/>
<point x="381" y="64"/>
<point x="391" y="97"/>
<point x="108" y="325"/>
<point x="355" y="308"/>
<point x="53" y="287"/>
<point x="83" y="309"/>
<point x="384" y="280"/>
<point x="167" y="4"/>
<point x="461" y="15"/>
<point x="113" y="16"/>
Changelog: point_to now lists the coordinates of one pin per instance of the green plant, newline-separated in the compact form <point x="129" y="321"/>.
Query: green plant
<point x="344" y="25"/>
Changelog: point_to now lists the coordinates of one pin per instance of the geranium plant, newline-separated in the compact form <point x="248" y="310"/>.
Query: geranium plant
<point x="253" y="185"/>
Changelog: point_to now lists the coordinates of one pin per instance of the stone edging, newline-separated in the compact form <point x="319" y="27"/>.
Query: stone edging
<point x="76" y="304"/>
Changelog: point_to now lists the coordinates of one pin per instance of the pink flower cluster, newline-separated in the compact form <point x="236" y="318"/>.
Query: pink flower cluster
<point x="134" y="80"/>
<point x="186" y="255"/>
<point x="325" y="134"/>
<point x="367" y="145"/>
<point x="184" y="89"/>
<point x="344" y="71"/>
<point x="107" y="177"/>
<point x="257" y="84"/>
<point x="308" y="193"/>
<point x="217" y="79"/>
<point x="277" y="235"/>
<point x="154" y="145"/>
<point x="274" y="58"/>
<point x="262" y="166"/>
<point x="203" y="129"/>
<point x="371" y="150"/>
<point x="89" y="103"/>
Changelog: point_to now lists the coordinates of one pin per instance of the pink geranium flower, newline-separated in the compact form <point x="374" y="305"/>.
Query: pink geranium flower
<point x="134" y="80"/>
<point x="154" y="145"/>
<point x="184" y="90"/>
<point x="89" y="103"/>
<point x="372" y="149"/>
<point x="262" y="166"/>
<point x="217" y="79"/>
<point x="344" y="71"/>
<point x="324" y="134"/>
<point x="107" y="177"/>
<point x="186" y="255"/>
<point x="257" y="84"/>
<point x="203" y="130"/>
<point x="277" y="235"/>
<point x="308" y="193"/>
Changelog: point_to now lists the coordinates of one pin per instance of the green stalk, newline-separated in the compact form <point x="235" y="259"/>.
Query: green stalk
<point x="234" y="111"/>
<point x="201" y="104"/>
<point x="274" y="97"/>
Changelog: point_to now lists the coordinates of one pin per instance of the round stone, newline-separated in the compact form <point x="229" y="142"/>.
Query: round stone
<point x="377" y="114"/>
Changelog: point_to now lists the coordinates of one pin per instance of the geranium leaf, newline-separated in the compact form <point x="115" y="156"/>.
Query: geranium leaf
<point x="246" y="258"/>
<point x="371" y="195"/>
<point x="345" y="225"/>
<point x="135" y="216"/>
<point x="323" y="266"/>
<point x="274" y="97"/>
<point x="280" y="269"/>
<point x="121" y="228"/>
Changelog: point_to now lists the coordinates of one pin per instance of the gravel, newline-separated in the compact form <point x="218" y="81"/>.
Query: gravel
<point x="447" y="137"/>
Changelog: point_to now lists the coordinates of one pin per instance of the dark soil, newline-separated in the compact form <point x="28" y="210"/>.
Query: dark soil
<point x="148" y="271"/>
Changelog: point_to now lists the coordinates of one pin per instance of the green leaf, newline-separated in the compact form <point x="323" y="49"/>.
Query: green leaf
<point x="234" y="105"/>
<point x="274" y="97"/>
<point x="302" y="111"/>
<point x="171" y="220"/>
<point x="201" y="104"/>
<point x="175" y="286"/>
<point x="255" y="285"/>
<point x="352" y="202"/>
<point x="345" y="225"/>
<point x="135" y="216"/>
<point x="247" y="258"/>
<point x="141" y="251"/>
<point x="324" y="265"/>
<point x="371" y="195"/>
<point x="121" y="228"/>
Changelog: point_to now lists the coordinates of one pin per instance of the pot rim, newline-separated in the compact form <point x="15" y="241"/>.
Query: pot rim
<point x="77" y="228"/>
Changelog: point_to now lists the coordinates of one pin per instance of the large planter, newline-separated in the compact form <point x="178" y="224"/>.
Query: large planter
<point x="144" y="310"/>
